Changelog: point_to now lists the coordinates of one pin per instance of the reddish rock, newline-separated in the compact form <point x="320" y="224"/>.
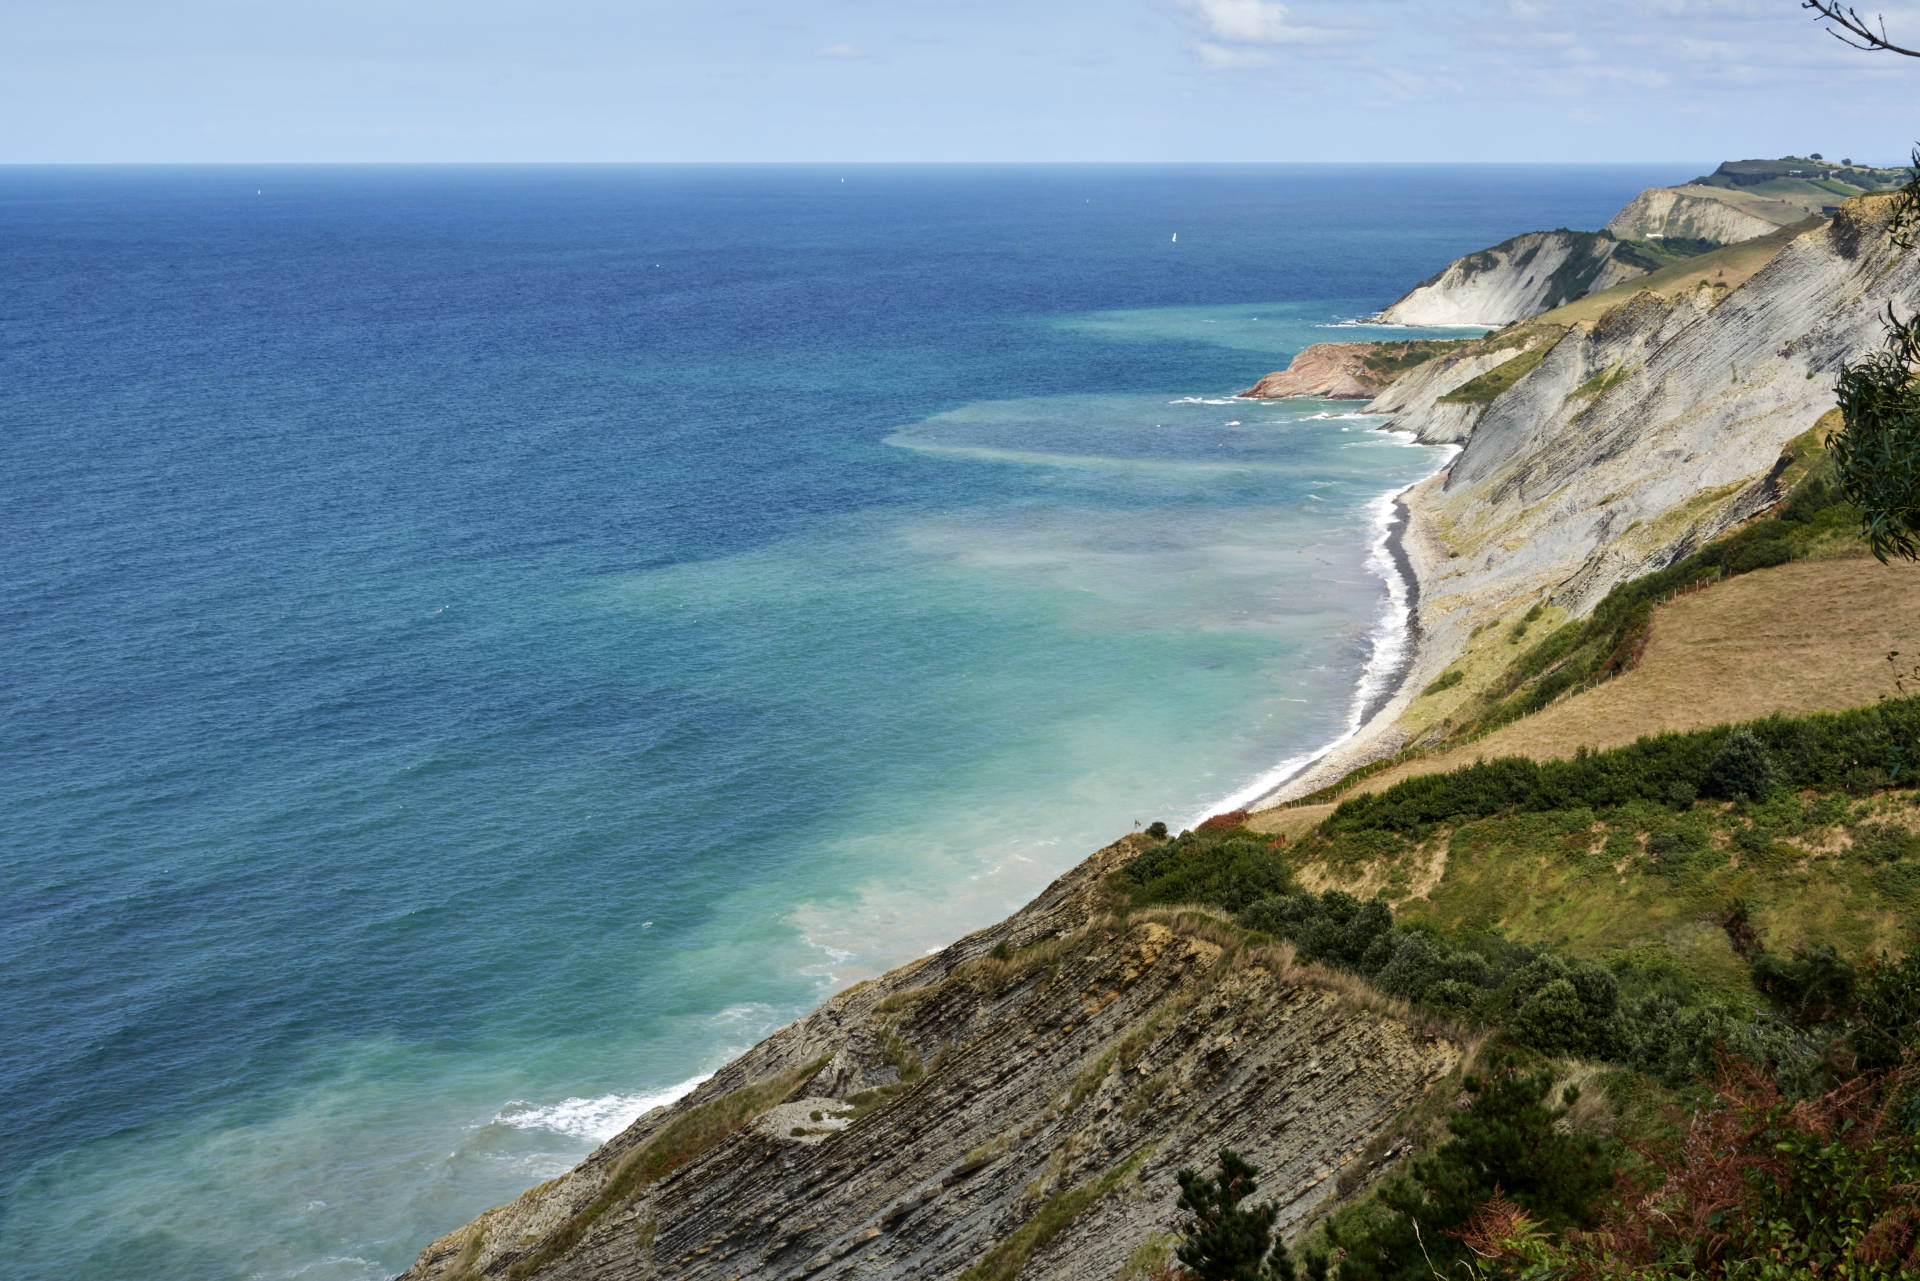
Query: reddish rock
<point x="1326" y="371"/>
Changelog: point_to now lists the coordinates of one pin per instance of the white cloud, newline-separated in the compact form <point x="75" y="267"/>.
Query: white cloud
<point x="1402" y="85"/>
<point x="1220" y="56"/>
<point x="1255" y="22"/>
<point x="842" y="51"/>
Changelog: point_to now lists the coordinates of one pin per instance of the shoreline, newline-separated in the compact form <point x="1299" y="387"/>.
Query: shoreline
<point x="1398" y="647"/>
<point x="1396" y="550"/>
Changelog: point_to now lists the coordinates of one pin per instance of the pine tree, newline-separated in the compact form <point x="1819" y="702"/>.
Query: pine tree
<point x="1221" y="1241"/>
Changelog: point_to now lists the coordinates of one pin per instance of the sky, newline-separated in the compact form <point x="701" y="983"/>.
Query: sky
<point x="944" y="80"/>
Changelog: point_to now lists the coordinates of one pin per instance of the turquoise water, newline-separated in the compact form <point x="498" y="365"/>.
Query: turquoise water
<point x="488" y="645"/>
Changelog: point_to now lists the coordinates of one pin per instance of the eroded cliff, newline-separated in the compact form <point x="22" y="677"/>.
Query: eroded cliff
<point x="1517" y="278"/>
<point x="1016" y="1105"/>
<point x="1629" y="441"/>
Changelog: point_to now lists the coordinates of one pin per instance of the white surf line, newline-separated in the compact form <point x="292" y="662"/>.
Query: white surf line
<point x="1392" y="639"/>
<point x="593" y="1119"/>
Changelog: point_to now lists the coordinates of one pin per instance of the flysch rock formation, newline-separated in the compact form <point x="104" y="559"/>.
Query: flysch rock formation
<point x="1542" y="269"/>
<point x="1038" y="1085"/>
<point x="1639" y="437"/>
<point x="1326" y="371"/>
<point x="1415" y="398"/>
<point x="1515" y="279"/>
<point x="1696" y="213"/>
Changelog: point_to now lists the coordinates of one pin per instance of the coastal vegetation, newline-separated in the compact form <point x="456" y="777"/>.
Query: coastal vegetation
<point x="1877" y="449"/>
<point x="1489" y="387"/>
<point x="1708" y="929"/>
<point x="1388" y="361"/>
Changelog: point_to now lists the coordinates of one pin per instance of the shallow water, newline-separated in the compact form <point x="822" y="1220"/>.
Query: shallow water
<point x="490" y="644"/>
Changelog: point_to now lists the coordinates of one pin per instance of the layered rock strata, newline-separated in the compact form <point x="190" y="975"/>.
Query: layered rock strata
<point x="1328" y="371"/>
<point x="1515" y="279"/>
<point x="1022" y="1098"/>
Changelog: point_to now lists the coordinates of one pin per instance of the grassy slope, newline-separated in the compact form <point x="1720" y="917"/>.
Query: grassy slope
<point x="1819" y="633"/>
<point x="1730" y="266"/>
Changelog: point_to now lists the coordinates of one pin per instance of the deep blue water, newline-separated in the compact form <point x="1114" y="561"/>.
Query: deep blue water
<point x="483" y="645"/>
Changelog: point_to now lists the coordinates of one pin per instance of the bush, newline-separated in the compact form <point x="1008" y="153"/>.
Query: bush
<point x="1813" y="986"/>
<point x="1507" y="1140"/>
<point x="1742" y="769"/>
<point x="1552" y="1020"/>
<point x="1227" y="868"/>
<point x="1855" y="749"/>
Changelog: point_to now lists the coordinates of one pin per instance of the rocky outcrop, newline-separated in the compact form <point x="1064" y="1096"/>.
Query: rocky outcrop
<point x="1416" y="402"/>
<point x="1335" y="371"/>
<point x="1687" y="213"/>
<point x="1515" y="279"/>
<point x="1649" y="431"/>
<point x="1022" y="1099"/>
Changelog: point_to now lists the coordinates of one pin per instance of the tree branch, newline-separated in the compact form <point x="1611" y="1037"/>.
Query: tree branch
<point x="1855" y="31"/>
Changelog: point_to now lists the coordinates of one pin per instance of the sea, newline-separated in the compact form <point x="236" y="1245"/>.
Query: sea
<point x="483" y="646"/>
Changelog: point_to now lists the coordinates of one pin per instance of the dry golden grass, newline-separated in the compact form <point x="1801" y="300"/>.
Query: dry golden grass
<point x="1806" y="637"/>
<point x="1730" y="266"/>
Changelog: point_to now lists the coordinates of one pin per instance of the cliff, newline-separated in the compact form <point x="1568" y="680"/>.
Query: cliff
<point x="1347" y="370"/>
<point x="1536" y="272"/>
<point x="1690" y="213"/>
<point x="1629" y="440"/>
<point x="1016" y="1104"/>
<point x="1515" y="279"/>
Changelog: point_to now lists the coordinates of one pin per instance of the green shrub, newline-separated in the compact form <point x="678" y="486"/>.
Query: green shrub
<point x="1826" y="750"/>
<point x="1507" y="1140"/>
<point x="1741" y="769"/>
<point x="1227" y="868"/>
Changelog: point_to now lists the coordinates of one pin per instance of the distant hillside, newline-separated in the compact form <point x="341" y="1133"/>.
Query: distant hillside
<point x="1740" y="201"/>
<point x="1530" y="274"/>
<point x="1747" y="198"/>
<point x="1792" y="173"/>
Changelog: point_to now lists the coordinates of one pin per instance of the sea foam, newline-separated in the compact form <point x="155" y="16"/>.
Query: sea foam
<point x="596" y="1119"/>
<point x="1389" y="644"/>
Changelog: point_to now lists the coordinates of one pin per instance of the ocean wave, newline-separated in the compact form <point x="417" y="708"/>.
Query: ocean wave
<point x="596" y="1119"/>
<point x="1324" y="416"/>
<point x="1205" y="400"/>
<point x="1389" y="645"/>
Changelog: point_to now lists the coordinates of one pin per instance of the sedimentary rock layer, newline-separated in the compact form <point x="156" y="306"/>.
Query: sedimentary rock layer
<point x="1025" y="1096"/>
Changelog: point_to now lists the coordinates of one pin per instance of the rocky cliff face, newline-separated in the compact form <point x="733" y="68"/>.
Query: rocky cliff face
<point x="1349" y="370"/>
<point x="1016" y="1104"/>
<point x="1686" y="213"/>
<point x="1515" y="279"/>
<point x="1645" y="433"/>
<point x="1637" y="438"/>
<point x="1327" y="370"/>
